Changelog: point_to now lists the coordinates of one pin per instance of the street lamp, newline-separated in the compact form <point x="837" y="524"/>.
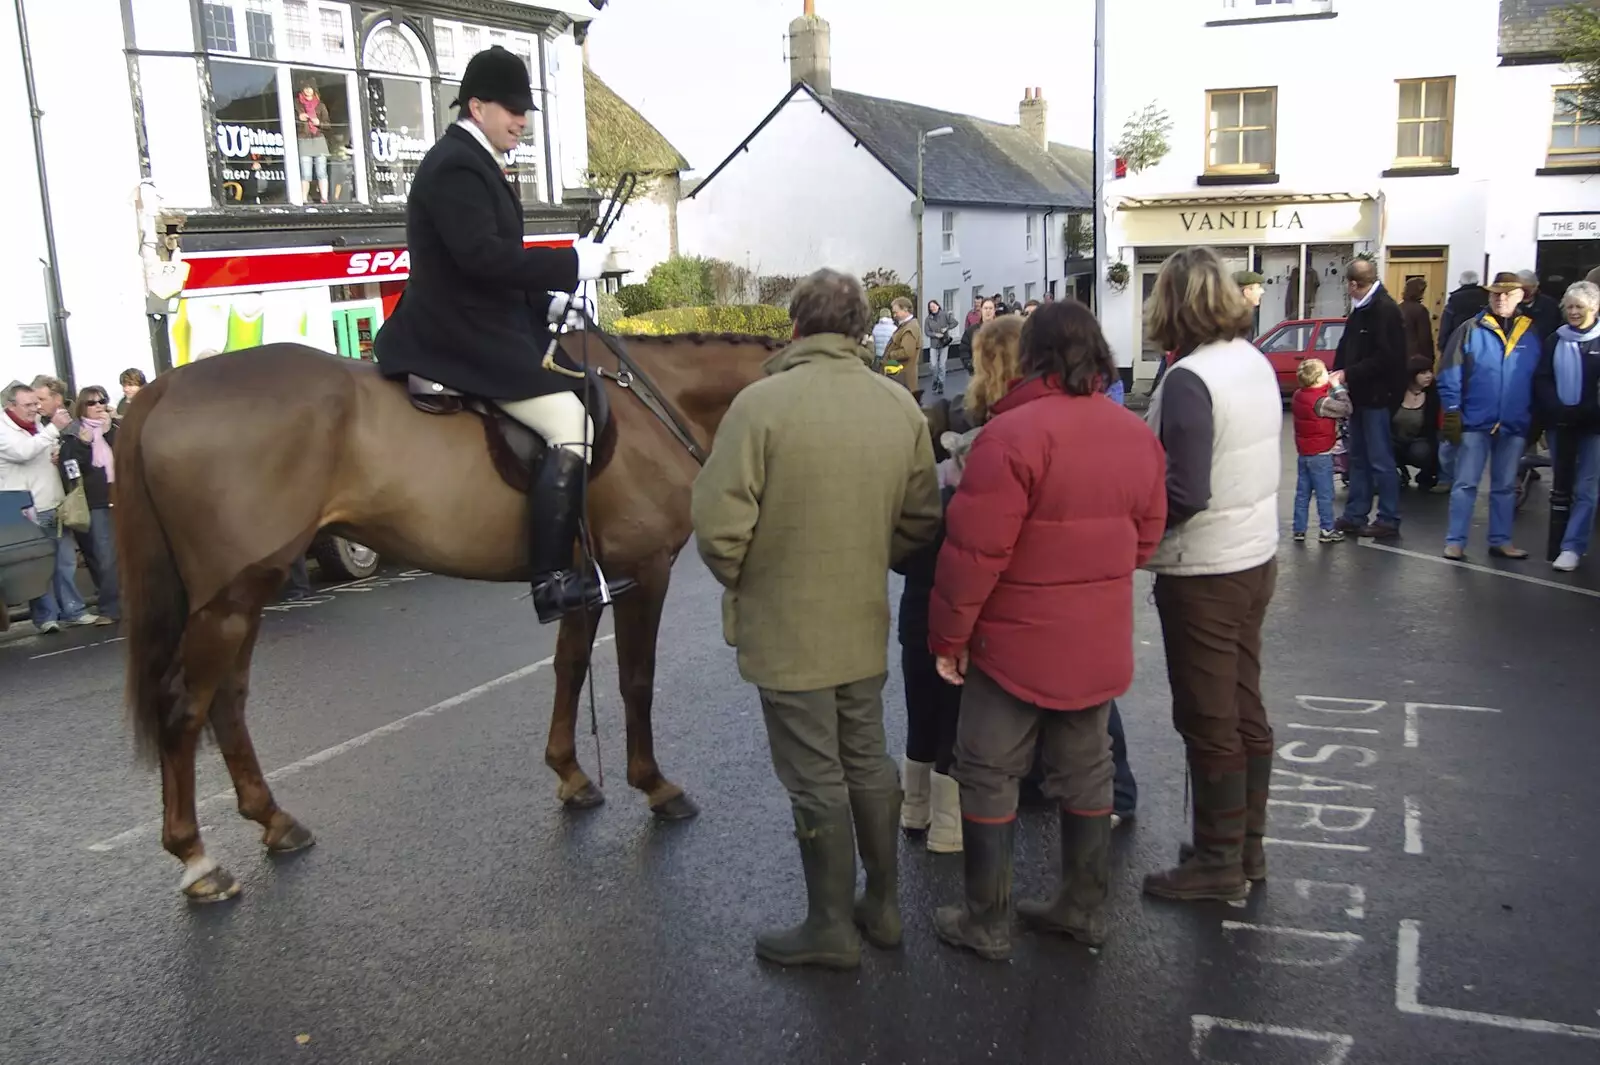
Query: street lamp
<point x="922" y="147"/>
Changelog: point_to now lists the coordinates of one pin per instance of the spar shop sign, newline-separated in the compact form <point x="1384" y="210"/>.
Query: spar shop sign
<point x="388" y="261"/>
<point x="294" y="267"/>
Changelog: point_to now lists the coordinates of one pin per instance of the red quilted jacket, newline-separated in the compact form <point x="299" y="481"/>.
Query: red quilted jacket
<point x="1063" y="497"/>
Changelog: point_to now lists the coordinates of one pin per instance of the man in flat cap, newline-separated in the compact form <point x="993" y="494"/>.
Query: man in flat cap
<point x="478" y="311"/>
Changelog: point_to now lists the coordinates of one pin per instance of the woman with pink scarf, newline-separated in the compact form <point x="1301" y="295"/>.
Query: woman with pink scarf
<point x="86" y="456"/>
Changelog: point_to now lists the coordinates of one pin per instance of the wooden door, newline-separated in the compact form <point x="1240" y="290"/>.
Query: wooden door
<point x="1430" y="270"/>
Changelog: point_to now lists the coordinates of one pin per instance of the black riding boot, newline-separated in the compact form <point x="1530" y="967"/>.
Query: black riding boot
<point x="555" y="505"/>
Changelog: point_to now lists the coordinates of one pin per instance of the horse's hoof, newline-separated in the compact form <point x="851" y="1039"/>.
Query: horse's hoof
<point x="585" y="798"/>
<point x="216" y="886"/>
<point x="678" y="808"/>
<point x="298" y="838"/>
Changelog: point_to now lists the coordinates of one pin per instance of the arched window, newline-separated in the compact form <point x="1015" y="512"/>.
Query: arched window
<point x="400" y="103"/>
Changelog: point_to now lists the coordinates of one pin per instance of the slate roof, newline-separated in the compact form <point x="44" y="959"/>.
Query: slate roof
<point x="982" y="164"/>
<point x="1531" y="29"/>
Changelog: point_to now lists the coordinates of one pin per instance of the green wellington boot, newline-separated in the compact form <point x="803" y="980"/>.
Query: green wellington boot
<point x="877" y="912"/>
<point x="1213" y="868"/>
<point x="828" y="856"/>
<point x="1078" y="908"/>
<point x="982" y="923"/>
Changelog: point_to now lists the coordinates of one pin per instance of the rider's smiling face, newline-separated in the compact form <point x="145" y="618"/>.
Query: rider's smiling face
<point x="503" y="127"/>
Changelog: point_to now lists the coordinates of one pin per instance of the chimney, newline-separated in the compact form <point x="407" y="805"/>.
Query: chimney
<point x="1032" y="117"/>
<point x="810" y="54"/>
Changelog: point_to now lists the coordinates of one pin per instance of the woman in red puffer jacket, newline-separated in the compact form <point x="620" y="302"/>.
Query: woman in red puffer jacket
<point x="1063" y="498"/>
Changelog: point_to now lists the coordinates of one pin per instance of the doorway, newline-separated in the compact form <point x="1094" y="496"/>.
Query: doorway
<point x="354" y="326"/>
<point x="1563" y="262"/>
<point x="1403" y="264"/>
<point x="1150" y="353"/>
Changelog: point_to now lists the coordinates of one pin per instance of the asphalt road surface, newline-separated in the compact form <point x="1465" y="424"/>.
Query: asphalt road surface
<point x="1434" y="820"/>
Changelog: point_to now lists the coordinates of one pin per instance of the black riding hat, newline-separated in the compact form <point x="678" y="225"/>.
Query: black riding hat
<point x="497" y="76"/>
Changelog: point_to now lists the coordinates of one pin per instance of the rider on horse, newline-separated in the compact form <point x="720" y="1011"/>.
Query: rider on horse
<point x="478" y="310"/>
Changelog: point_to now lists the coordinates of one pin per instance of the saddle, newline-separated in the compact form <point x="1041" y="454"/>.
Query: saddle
<point x="516" y="450"/>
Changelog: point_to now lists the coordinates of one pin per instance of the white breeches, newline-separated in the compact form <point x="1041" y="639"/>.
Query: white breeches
<point x="559" y="418"/>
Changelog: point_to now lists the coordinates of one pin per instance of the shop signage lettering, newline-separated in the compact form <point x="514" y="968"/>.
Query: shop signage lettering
<point x="1241" y="219"/>
<point x="379" y="262"/>
<point x="390" y="147"/>
<point x="1569" y="227"/>
<point x="241" y="142"/>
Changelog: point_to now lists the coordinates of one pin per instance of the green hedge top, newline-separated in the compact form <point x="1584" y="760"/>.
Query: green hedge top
<point x="754" y="319"/>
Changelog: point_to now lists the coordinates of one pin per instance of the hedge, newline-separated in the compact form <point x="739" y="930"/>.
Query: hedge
<point x="636" y="299"/>
<point x="755" y="318"/>
<point x="882" y="295"/>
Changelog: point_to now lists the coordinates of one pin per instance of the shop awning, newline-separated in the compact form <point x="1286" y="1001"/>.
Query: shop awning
<point x="1241" y="199"/>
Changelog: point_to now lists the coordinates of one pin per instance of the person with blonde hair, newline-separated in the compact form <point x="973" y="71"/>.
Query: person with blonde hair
<point x="1317" y="406"/>
<point x="996" y="365"/>
<point x="1219" y="415"/>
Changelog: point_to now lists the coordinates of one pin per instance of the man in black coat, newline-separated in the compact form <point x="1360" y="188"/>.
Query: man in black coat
<point x="477" y="312"/>
<point x="1372" y="356"/>
<point x="1463" y="305"/>
<point x="1542" y="309"/>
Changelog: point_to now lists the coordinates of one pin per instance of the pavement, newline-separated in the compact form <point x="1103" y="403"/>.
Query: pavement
<point x="1435" y="808"/>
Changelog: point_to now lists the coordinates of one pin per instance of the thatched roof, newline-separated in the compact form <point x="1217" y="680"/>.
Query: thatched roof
<point x="621" y="139"/>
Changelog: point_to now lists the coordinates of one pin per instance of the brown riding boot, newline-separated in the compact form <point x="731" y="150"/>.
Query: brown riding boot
<point x="1258" y="784"/>
<point x="1214" y="868"/>
<point x="1078" y="908"/>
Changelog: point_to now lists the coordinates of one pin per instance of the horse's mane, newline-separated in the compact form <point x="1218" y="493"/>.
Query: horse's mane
<point x="770" y="343"/>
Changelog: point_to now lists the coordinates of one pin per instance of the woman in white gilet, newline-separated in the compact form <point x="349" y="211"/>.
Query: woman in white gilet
<point x="1219" y="416"/>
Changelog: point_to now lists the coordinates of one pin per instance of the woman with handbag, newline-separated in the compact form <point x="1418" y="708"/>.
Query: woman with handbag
<point x="87" y="472"/>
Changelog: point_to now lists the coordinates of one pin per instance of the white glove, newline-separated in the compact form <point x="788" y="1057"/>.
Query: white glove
<point x="591" y="259"/>
<point x="558" y="307"/>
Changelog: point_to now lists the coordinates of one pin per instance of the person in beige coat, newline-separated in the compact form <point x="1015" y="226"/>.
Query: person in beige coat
<point x="822" y="476"/>
<point x="905" y="346"/>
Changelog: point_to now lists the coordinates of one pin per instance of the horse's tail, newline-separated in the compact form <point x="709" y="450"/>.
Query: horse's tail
<point x="155" y="603"/>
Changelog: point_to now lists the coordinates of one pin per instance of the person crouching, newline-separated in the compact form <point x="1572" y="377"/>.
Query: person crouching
<point x="1063" y="498"/>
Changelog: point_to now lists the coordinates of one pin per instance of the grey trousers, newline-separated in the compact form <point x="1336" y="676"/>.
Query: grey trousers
<point x="828" y="743"/>
<point x="995" y="743"/>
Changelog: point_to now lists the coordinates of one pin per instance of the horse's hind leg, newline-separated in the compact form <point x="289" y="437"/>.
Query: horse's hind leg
<point x="638" y="625"/>
<point x="574" y="644"/>
<point x="211" y="643"/>
<point x="280" y="832"/>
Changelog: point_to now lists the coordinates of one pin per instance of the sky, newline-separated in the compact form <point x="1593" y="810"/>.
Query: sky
<point x="704" y="72"/>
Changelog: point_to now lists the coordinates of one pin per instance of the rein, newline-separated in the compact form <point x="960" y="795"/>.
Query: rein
<point x="633" y="378"/>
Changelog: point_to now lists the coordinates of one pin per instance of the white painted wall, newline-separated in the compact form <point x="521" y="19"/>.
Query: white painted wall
<point x="22" y="290"/>
<point x="991" y="251"/>
<point x="643" y="235"/>
<point x="802" y="197"/>
<point x="174" y="125"/>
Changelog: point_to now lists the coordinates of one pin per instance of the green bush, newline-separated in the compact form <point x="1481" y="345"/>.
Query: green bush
<point x="636" y="299"/>
<point x="775" y="289"/>
<point x="608" y="310"/>
<point x="681" y="281"/>
<point x="881" y="296"/>
<point x="754" y="318"/>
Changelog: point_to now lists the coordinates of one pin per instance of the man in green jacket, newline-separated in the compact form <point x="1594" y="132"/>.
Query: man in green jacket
<point x="821" y="477"/>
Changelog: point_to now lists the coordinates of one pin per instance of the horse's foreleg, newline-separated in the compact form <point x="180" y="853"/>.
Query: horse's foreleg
<point x="573" y="647"/>
<point x="211" y="643"/>
<point x="638" y="625"/>
<point x="280" y="832"/>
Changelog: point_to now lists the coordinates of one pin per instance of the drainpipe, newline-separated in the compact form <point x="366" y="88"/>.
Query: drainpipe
<point x="58" y="308"/>
<point x="1048" y="211"/>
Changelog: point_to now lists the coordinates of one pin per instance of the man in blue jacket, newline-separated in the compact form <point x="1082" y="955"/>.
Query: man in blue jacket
<point x="1486" y="391"/>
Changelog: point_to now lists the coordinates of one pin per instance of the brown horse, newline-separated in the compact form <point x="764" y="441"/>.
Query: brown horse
<point x="226" y="469"/>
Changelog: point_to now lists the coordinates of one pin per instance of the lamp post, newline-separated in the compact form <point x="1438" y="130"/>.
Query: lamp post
<point x="922" y="148"/>
<point x="1097" y="215"/>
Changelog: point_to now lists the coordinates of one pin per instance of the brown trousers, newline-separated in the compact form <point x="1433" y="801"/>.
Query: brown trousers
<point x="996" y="737"/>
<point x="1212" y="629"/>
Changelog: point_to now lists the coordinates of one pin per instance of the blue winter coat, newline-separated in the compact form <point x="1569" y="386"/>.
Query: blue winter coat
<point x="1488" y="376"/>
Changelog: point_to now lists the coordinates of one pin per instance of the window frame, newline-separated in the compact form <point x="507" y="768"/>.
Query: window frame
<point x="1404" y="162"/>
<point x="1030" y="245"/>
<point x="1270" y="166"/>
<point x="949" y="249"/>
<point x="1582" y="157"/>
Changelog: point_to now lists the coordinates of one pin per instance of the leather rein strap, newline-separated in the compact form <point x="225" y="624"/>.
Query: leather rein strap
<point x="635" y="380"/>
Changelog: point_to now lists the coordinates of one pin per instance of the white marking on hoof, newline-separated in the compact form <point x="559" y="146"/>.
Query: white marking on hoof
<point x="195" y="869"/>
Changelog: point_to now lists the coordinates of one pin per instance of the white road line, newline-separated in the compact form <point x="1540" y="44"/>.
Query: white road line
<point x="1408" y="979"/>
<point x="1337" y="728"/>
<point x="81" y="647"/>
<point x="1413" y="710"/>
<point x="1202" y="1026"/>
<point x="1355" y="847"/>
<point x="1413" y="826"/>
<point x="1284" y="930"/>
<point x="1557" y="585"/>
<point x="327" y="754"/>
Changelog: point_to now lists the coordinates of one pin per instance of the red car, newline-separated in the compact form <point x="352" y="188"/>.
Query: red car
<point x="1288" y="344"/>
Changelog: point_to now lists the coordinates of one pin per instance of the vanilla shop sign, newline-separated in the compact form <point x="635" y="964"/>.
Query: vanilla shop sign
<point x="1289" y="222"/>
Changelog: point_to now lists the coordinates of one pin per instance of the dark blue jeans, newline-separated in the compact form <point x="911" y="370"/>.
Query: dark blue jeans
<point x="1124" y="789"/>
<point x="1372" y="468"/>
<point x="1315" y="477"/>
<point x="99" y="549"/>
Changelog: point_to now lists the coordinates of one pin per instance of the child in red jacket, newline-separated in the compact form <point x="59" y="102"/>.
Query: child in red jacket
<point x="1318" y="404"/>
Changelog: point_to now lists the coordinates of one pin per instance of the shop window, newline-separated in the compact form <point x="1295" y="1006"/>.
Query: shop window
<point x="1427" y="113"/>
<point x="1241" y="131"/>
<point x="400" y="135"/>
<point x="216" y="21"/>
<point x="327" y="159"/>
<point x="1574" y="131"/>
<point x="250" y="166"/>
<point x="307" y="31"/>
<point x="526" y="167"/>
<point x="259" y="29"/>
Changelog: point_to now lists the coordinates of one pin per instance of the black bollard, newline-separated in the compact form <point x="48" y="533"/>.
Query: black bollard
<point x="1564" y="467"/>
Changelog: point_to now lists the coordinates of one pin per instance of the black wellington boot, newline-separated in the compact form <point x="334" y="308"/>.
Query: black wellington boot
<point x="555" y="505"/>
<point x="1078" y="908"/>
<point x="827" y="937"/>
<point x="877" y="912"/>
<point x="982" y="924"/>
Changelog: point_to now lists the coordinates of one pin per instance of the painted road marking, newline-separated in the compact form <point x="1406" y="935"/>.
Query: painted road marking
<point x="1313" y="815"/>
<point x="1408" y="980"/>
<point x="1337" y="728"/>
<point x="80" y="647"/>
<point x="1413" y="712"/>
<point x="1557" y="585"/>
<point x="1413" y="826"/>
<point x="1354" y="847"/>
<point x="1341" y="705"/>
<point x="1347" y="942"/>
<point x="327" y="754"/>
<point x="1332" y="1048"/>
<point x="1356" y="910"/>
